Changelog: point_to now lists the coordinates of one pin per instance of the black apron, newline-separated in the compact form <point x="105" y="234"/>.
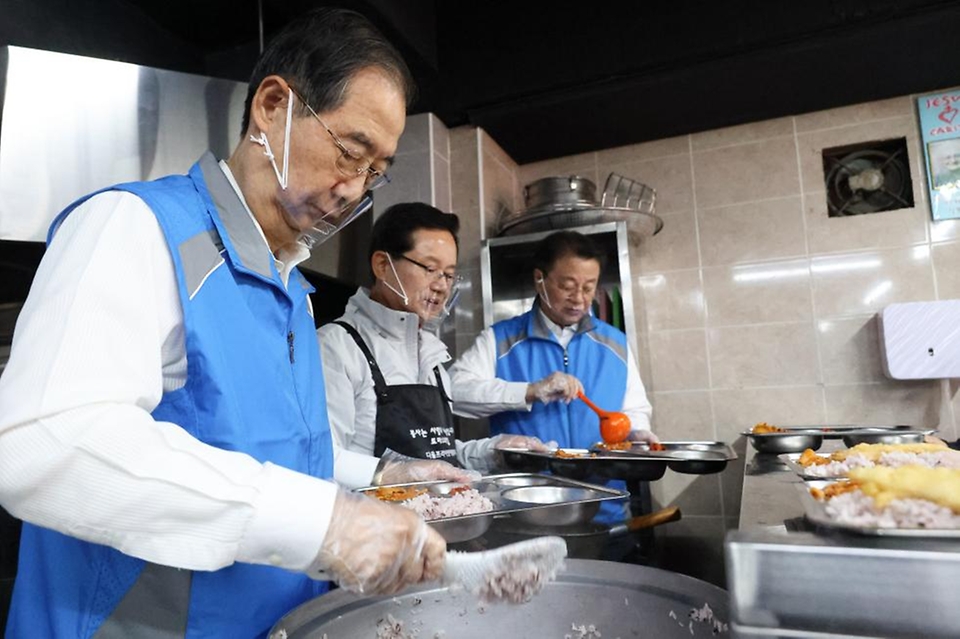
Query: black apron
<point x="412" y="419"/>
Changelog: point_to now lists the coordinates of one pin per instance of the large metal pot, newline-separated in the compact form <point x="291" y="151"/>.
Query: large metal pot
<point x="621" y="600"/>
<point x="570" y="191"/>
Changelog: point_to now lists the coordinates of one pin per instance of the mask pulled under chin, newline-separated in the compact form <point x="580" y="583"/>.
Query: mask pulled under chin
<point x="332" y="223"/>
<point x="435" y="323"/>
<point x="428" y="322"/>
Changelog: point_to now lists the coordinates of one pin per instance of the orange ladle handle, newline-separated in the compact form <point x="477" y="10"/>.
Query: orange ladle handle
<point x="599" y="411"/>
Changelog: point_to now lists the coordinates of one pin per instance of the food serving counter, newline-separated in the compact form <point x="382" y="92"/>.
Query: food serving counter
<point x="787" y="578"/>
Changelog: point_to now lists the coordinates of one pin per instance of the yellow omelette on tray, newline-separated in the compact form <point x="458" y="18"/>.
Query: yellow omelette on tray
<point x="906" y="497"/>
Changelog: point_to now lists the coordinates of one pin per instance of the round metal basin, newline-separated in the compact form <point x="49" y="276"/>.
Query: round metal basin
<point x="881" y="436"/>
<point x="551" y="505"/>
<point x="621" y="600"/>
<point x="779" y="443"/>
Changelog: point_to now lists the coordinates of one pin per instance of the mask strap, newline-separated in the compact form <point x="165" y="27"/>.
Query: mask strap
<point x="401" y="293"/>
<point x="543" y="292"/>
<point x="282" y="178"/>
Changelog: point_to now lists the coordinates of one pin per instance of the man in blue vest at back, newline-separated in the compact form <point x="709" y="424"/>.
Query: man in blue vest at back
<point x="163" y="428"/>
<point x="526" y="372"/>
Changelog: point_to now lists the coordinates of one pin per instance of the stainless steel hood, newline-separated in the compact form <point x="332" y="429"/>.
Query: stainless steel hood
<point x="70" y="125"/>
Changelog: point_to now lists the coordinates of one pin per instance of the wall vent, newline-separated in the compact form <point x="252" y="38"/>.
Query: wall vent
<point x="868" y="177"/>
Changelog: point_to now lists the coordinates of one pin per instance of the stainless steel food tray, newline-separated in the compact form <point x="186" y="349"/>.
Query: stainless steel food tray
<point x="494" y="487"/>
<point x="622" y="600"/>
<point x="685" y="457"/>
<point x="688" y="457"/>
<point x="884" y="435"/>
<point x="792" y="460"/>
<point x="816" y="513"/>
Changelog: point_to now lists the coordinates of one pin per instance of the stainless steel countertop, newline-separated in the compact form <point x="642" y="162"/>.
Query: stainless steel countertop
<point x="787" y="580"/>
<point x="769" y="498"/>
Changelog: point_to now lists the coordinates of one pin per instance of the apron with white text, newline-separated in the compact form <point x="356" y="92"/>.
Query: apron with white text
<point x="412" y="419"/>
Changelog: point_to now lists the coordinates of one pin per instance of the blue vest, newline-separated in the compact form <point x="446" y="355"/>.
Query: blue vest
<point x="254" y="384"/>
<point x="597" y="355"/>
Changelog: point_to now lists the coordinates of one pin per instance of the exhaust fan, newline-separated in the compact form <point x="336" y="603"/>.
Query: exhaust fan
<point x="867" y="178"/>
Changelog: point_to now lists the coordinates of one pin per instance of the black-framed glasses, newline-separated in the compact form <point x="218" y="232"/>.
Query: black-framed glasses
<point x="349" y="163"/>
<point x="435" y="274"/>
<point x="569" y="288"/>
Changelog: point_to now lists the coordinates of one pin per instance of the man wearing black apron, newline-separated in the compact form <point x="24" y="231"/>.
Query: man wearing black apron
<point x="388" y="394"/>
<point x="412" y="419"/>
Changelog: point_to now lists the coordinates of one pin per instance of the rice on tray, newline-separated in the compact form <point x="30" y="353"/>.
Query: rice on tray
<point x="462" y="502"/>
<point x="869" y="455"/>
<point x="902" y="497"/>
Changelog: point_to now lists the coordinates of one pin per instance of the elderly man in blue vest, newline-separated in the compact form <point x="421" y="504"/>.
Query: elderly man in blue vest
<point x="163" y="427"/>
<point x="526" y="372"/>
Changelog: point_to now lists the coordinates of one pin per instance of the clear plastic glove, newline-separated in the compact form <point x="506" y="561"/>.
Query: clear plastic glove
<point x="522" y="441"/>
<point x="375" y="548"/>
<point x="553" y="388"/>
<point x="395" y="468"/>
<point x="643" y="435"/>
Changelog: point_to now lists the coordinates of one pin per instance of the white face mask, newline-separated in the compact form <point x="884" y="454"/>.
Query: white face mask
<point x="402" y="293"/>
<point x="332" y="222"/>
<point x="543" y="293"/>
<point x="262" y="140"/>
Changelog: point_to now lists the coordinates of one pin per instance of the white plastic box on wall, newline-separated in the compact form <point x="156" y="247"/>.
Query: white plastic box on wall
<point x="921" y="340"/>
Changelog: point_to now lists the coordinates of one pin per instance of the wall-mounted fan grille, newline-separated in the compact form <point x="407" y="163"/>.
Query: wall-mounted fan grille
<point x="867" y="178"/>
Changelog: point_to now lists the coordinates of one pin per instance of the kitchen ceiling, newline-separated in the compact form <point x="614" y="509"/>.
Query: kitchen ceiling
<point x="549" y="79"/>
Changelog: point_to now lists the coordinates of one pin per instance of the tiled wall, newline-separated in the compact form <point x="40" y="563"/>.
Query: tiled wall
<point x="757" y="306"/>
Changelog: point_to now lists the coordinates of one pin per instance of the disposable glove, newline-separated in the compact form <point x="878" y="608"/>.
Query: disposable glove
<point x="554" y="387"/>
<point x="376" y="548"/>
<point x="521" y="441"/>
<point x="643" y="435"/>
<point x="395" y="468"/>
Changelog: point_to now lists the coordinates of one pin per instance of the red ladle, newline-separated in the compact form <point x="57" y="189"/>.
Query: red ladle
<point x="614" y="426"/>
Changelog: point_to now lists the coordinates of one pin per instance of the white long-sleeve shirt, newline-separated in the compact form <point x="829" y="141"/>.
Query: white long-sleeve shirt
<point x="405" y="354"/>
<point x="478" y="392"/>
<point x="98" y="342"/>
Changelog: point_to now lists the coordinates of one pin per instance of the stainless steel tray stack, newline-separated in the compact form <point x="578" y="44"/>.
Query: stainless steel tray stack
<point x="532" y="498"/>
<point x="639" y="463"/>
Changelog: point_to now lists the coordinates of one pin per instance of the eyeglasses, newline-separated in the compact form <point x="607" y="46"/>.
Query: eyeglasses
<point x="349" y="163"/>
<point x="435" y="274"/>
<point x="569" y="288"/>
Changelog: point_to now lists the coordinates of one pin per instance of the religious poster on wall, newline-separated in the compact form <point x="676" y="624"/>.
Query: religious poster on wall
<point x="940" y="128"/>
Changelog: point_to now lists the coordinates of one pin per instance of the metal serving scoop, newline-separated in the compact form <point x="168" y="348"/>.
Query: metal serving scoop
<point x="614" y="426"/>
<point x="514" y="573"/>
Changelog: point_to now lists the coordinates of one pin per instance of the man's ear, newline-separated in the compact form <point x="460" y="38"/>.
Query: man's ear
<point x="380" y="264"/>
<point x="269" y="103"/>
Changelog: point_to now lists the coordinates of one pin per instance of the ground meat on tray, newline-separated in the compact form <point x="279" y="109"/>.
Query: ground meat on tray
<point x="466" y="502"/>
